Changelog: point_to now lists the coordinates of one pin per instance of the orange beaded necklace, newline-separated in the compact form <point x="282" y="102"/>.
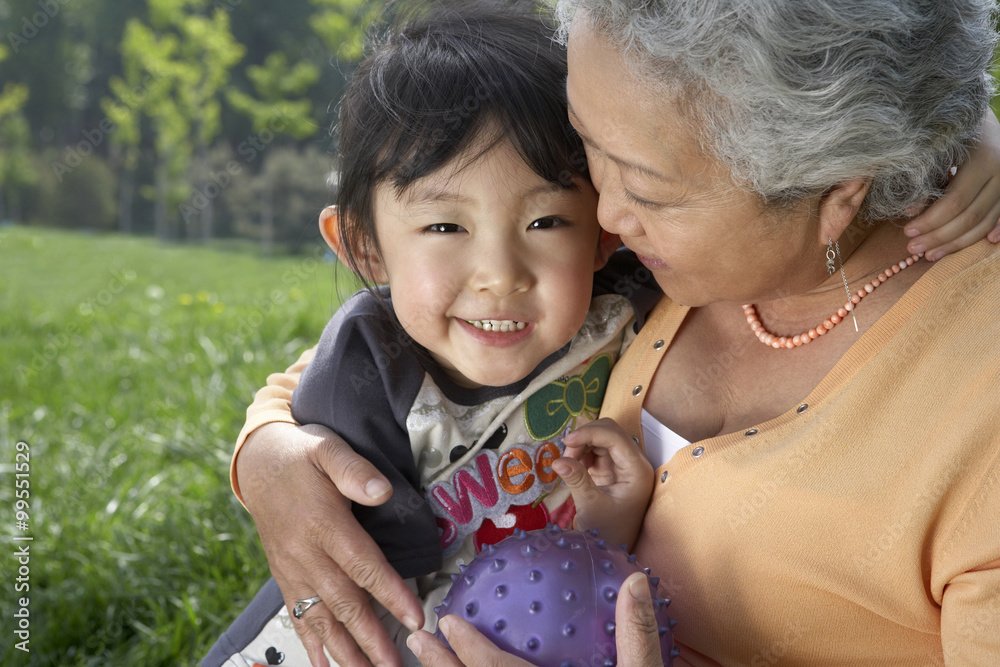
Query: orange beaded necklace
<point x="791" y="342"/>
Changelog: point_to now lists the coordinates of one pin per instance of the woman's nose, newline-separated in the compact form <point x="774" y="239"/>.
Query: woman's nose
<point x="612" y="207"/>
<point x="614" y="211"/>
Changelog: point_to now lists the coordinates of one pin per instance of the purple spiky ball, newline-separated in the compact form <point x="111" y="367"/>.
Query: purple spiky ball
<point x="549" y="597"/>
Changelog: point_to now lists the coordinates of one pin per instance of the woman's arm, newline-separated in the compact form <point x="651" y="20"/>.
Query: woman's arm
<point x="272" y="403"/>
<point x="297" y="482"/>
<point x="966" y="582"/>
<point x="970" y="617"/>
<point x="970" y="208"/>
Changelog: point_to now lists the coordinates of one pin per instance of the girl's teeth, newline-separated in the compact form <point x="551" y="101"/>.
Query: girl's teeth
<point x="503" y="326"/>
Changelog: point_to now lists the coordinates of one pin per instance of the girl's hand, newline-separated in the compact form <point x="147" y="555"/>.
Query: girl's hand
<point x="298" y="483"/>
<point x="636" y="636"/>
<point x="610" y="479"/>
<point x="970" y="208"/>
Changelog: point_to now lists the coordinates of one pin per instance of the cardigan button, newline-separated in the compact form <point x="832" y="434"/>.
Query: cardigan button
<point x="697" y="451"/>
<point x="663" y="477"/>
<point x="802" y="408"/>
<point x="657" y="345"/>
<point x="750" y="432"/>
<point x="637" y="390"/>
<point x="635" y="439"/>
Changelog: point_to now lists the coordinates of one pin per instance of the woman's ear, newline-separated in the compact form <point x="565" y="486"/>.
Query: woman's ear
<point x="329" y="228"/>
<point x="607" y="244"/>
<point x="839" y="206"/>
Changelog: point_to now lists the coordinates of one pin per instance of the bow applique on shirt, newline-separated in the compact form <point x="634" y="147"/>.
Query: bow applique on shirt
<point x="548" y="410"/>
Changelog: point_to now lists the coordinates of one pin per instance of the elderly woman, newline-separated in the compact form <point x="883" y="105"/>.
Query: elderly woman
<point x="819" y="400"/>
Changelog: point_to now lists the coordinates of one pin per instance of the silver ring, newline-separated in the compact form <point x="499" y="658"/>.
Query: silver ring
<point x="302" y="606"/>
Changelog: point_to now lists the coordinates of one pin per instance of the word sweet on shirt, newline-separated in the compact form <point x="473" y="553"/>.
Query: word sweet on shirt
<point x="489" y="486"/>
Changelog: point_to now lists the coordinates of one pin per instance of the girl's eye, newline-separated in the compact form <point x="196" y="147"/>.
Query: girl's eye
<point x="547" y="223"/>
<point x="444" y="228"/>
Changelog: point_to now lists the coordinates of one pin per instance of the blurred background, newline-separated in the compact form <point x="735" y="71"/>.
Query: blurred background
<point x="162" y="165"/>
<point x="188" y="120"/>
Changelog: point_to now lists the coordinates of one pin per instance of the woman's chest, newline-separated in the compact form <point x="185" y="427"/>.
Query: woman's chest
<point x="711" y="382"/>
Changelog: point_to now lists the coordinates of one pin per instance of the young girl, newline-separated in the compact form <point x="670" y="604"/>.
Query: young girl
<point x="464" y="190"/>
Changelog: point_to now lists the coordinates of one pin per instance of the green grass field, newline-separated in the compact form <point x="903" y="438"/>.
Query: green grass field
<point x="127" y="366"/>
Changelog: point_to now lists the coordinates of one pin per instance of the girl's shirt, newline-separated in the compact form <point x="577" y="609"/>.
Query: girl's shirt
<point x="467" y="466"/>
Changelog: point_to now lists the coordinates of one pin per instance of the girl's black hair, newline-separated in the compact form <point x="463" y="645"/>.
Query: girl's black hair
<point x="438" y="81"/>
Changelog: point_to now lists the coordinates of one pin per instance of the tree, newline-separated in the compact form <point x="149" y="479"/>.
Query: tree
<point x="208" y="52"/>
<point x="280" y="205"/>
<point x="14" y="95"/>
<point x="191" y="54"/>
<point x="125" y="110"/>
<point x="16" y="170"/>
<point x="45" y="56"/>
<point x="341" y="25"/>
<point x="145" y="53"/>
<point x="279" y="89"/>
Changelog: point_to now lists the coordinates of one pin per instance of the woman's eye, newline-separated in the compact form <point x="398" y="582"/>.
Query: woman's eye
<point x="444" y="228"/>
<point x="638" y="200"/>
<point x="547" y="223"/>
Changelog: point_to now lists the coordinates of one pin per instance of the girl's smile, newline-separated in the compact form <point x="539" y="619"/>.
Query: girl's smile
<point x="498" y="333"/>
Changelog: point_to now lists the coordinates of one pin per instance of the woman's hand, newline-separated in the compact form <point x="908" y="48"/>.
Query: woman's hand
<point x="636" y="636"/>
<point x="970" y="208"/>
<point x="289" y="477"/>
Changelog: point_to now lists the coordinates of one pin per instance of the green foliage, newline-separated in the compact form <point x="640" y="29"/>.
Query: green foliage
<point x="126" y="116"/>
<point x="341" y="25"/>
<point x="144" y="54"/>
<point x="143" y="77"/>
<point x="290" y="188"/>
<point x="190" y="55"/>
<point x="165" y="76"/>
<point x="12" y="98"/>
<point x="208" y="51"/>
<point x="82" y="196"/>
<point x="995" y="72"/>
<point x="279" y="87"/>
<point x="14" y="95"/>
<point x="127" y="368"/>
<point x="277" y="79"/>
<point x="16" y="169"/>
<point x="46" y="56"/>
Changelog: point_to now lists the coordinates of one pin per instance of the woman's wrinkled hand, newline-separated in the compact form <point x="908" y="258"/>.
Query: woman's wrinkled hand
<point x="298" y="483"/>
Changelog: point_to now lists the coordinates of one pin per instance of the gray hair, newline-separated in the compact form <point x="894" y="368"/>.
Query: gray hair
<point x="796" y="96"/>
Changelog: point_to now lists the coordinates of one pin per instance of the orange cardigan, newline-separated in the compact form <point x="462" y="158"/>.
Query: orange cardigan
<point x="862" y="527"/>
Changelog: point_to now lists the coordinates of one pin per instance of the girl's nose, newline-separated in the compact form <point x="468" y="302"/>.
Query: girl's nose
<point x="502" y="272"/>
